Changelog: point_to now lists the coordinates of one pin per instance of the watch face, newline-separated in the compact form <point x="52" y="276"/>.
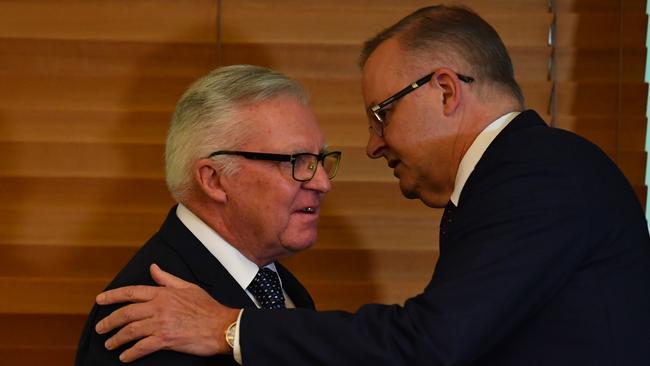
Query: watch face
<point x="230" y="334"/>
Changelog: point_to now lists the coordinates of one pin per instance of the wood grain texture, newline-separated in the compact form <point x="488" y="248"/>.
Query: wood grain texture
<point x="99" y="20"/>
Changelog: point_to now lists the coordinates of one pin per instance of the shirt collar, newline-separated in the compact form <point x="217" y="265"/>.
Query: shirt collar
<point x="242" y="269"/>
<point x="476" y="151"/>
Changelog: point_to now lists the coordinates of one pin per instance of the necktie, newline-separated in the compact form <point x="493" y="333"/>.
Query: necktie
<point x="446" y="219"/>
<point x="267" y="290"/>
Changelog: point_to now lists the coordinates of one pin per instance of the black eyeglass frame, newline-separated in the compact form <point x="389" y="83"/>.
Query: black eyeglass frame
<point x="291" y="158"/>
<point x="375" y="111"/>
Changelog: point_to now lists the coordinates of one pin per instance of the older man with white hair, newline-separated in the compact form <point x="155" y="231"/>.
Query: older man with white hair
<point x="248" y="165"/>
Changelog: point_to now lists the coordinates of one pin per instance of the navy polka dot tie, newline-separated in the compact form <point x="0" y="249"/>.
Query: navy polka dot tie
<point x="447" y="216"/>
<point x="267" y="289"/>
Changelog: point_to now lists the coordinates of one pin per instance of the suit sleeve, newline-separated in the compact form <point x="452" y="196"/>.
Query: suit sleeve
<point x="516" y="223"/>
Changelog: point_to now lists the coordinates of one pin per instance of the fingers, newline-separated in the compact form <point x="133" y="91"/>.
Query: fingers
<point x="147" y="344"/>
<point x="141" y="293"/>
<point x="144" y="347"/>
<point x="124" y="315"/>
<point x="166" y="279"/>
<point x="132" y="332"/>
<point x="138" y="293"/>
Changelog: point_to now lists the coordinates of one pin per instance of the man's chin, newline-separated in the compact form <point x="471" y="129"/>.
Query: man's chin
<point x="408" y="191"/>
<point x="299" y="243"/>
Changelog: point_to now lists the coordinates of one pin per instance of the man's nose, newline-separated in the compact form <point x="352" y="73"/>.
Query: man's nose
<point x="375" y="146"/>
<point x="320" y="182"/>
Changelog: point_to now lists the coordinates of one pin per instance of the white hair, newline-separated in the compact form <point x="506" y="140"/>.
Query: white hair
<point x="206" y="118"/>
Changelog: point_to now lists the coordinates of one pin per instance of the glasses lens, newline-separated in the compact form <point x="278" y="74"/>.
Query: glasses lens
<point x="331" y="164"/>
<point x="305" y="167"/>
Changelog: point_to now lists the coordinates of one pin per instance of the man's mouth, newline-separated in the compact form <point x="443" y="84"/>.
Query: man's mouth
<point x="393" y="163"/>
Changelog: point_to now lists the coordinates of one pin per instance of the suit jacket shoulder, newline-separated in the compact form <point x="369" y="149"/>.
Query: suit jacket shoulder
<point x="176" y="250"/>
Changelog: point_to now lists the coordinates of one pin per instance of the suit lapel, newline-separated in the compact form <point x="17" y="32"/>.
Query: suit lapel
<point x="294" y="289"/>
<point x="209" y="272"/>
<point x="491" y="158"/>
<point x="526" y="119"/>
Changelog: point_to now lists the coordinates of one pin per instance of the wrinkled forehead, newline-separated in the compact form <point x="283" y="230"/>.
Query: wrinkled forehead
<point x="282" y="124"/>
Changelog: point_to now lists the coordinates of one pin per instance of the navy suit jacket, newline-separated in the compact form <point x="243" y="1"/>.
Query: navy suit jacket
<point x="176" y="250"/>
<point x="546" y="262"/>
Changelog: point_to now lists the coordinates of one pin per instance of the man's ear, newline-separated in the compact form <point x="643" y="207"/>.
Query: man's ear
<point x="449" y="83"/>
<point x="208" y="179"/>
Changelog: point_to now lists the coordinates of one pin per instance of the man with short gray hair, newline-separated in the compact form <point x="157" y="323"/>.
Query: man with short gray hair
<point x="248" y="165"/>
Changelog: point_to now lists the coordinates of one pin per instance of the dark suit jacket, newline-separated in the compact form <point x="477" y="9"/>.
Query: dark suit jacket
<point x="546" y="262"/>
<point x="177" y="251"/>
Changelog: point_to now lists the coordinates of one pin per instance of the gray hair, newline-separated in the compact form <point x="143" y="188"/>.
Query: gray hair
<point x="206" y="118"/>
<point x="456" y="32"/>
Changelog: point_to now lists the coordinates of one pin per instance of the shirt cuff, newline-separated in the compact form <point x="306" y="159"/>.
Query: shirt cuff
<point x="236" y="351"/>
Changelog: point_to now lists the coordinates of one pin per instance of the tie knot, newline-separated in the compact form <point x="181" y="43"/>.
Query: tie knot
<point x="267" y="290"/>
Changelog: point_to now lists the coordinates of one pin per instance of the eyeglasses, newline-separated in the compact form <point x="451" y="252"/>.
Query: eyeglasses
<point x="377" y="113"/>
<point x="303" y="165"/>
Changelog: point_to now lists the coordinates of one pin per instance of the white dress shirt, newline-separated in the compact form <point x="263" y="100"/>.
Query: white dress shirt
<point x="476" y="151"/>
<point x="240" y="268"/>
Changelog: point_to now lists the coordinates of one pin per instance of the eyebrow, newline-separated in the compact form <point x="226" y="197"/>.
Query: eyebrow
<point x="323" y="149"/>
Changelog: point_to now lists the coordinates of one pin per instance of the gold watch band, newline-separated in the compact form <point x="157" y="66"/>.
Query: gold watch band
<point x="230" y="334"/>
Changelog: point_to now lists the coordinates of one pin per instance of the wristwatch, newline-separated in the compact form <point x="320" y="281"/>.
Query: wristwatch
<point x="230" y="334"/>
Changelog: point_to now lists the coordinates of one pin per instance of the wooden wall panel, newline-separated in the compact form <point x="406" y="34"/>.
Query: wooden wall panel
<point x="119" y="58"/>
<point x="110" y="20"/>
<point x="37" y="355"/>
<point x="21" y="330"/>
<point x="591" y="29"/>
<point x="600" y="65"/>
<point x="86" y="93"/>
<point x="607" y="6"/>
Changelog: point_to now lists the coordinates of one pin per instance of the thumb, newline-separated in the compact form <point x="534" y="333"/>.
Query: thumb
<point x="166" y="279"/>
